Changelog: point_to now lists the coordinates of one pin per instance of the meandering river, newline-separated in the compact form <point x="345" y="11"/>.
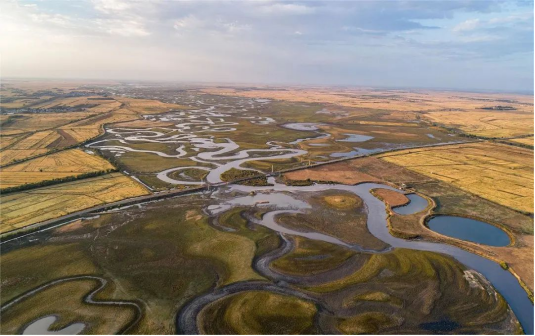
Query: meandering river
<point x="503" y="281"/>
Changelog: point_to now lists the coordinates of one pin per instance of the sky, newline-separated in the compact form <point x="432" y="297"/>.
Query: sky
<point x="471" y="45"/>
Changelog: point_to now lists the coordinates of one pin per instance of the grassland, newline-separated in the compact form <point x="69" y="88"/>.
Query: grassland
<point x="303" y="260"/>
<point x="25" y="135"/>
<point x="25" y="208"/>
<point x="99" y="319"/>
<point x="390" y="197"/>
<point x="162" y="261"/>
<point x="166" y="253"/>
<point x="395" y="292"/>
<point x="343" y="172"/>
<point x="486" y="124"/>
<point x="440" y="287"/>
<point x="389" y="100"/>
<point x="33" y="266"/>
<point x="449" y="199"/>
<point x="54" y="166"/>
<point x="343" y="202"/>
<point x="488" y="115"/>
<point x="336" y="213"/>
<point x="258" y="313"/>
<point x="368" y="323"/>
<point x="237" y="174"/>
<point x="525" y="141"/>
<point x="500" y="173"/>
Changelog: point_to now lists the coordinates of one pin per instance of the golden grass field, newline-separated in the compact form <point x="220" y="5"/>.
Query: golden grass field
<point x="525" y="141"/>
<point x="500" y="173"/>
<point x="31" y="122"/>
<point x="26" y="135"/>
<point x="466" y="111"/>
<point x="66" y="163"/>
<point x="397" y="100"/>
<point x="25" y="208"/>
<point x="488" y="124"/>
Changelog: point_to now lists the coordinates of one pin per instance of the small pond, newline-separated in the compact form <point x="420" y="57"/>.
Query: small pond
<point x="469" y="229"/>
<point x="42" y="325"/>
<point x="302" y="126"/>
<point x="352" y="137"/>
<point x="416" y="204"/>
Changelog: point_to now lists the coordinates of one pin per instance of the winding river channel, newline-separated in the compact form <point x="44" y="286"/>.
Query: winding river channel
<point x="503" y="281"/>
<point x="193" y="133"/>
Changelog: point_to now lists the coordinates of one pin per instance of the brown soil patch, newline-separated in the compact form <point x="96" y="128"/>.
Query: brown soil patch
<point x="344" y="202"/>
<point x="518" y="257"/>
<point x="339" y="172"/>
<point x="70" y="227"/>
<point x="367" y="169"/>
<point x="393" y="198"/>
<point x="193" y="214"/>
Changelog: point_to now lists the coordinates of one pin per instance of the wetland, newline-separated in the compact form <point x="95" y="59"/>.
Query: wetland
<point x="265" y="245"/>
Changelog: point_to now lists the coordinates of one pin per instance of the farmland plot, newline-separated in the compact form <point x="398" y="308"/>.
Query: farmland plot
<point x="500" y="173"/>
<point x="25" y="208"/>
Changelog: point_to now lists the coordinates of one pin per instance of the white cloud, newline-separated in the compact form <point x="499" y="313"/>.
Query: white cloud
<point x="192" y="24"/>
<point x="127" y="28"/>
<point x="235" y="27"/>
<point x="260" y="40"/>
<point x="467" y="25"/>
<point x="111" y="6"/>
<point x="511" y="19"/>
<point x="188" y="22"/>
<point x="55" y="19"/>
<point x="287" y="8"/>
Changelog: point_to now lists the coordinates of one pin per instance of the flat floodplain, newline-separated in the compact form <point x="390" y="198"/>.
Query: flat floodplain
<point x="203" y="267"/>
<point x="319" y="249"/>
<point x="500" y="173"/>
<point x="449" y="200"/>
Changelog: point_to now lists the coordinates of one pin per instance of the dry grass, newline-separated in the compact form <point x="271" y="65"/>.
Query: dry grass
<point x="344" y="202"/>
<point x="67" y="163"/>
<point x="393" y="198"/>
<point x="471" y="112"/>
<point x="33" y="134"/>
<point x="488" y="124"/>
<point x="25" y="208"/>
<point x="234" y="251"/>
<point x="147" y="106"/>
<point x="339" y="172"/>
<point x="8" y="140"/>
<point x="33" y="85"/>
<point x="36" y="140"/>
<point x="99" y="319"/>
<point x="23" y="123"/>
<point x="500" y="173"/>
<point x="8" y="155"/>
<point x="256" y="312"/>
<point x="525" y="141"/>
<point x="392" y="100"/>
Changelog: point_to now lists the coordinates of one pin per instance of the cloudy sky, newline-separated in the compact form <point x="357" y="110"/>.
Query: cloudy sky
<point x="483" y="45"/>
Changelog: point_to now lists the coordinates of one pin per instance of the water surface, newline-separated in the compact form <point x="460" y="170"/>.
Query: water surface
<point x="42" y="325"/>
<point x="416" y="204"/>
<point x="469" y="229"/>
<point x="353" y="137"/>
<point x="302" y="126"/>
